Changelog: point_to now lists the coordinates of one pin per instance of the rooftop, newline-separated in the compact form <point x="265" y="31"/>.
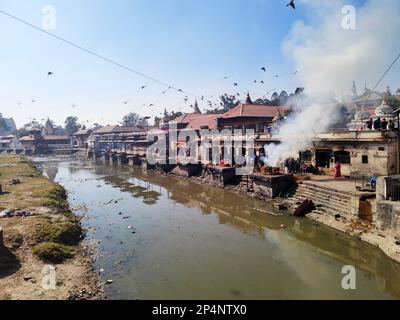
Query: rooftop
<point x="254" y="110"/>
<point x="117" y="129"/>
<point x="45" y="138"/>
<point x="83" y="132"/>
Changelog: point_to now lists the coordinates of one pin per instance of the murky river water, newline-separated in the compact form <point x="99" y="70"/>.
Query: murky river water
<point x="168" y="238"/>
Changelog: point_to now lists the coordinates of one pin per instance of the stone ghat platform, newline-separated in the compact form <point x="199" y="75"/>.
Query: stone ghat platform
<point x="335" y="197"/>
<point x="272" y="186"/>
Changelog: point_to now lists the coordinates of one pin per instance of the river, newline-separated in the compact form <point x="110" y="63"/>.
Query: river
<point x="170" y="238"/>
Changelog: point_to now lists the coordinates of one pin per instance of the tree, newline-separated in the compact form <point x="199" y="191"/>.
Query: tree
<point x="274" y="96"/>
<point x="30" y="126"/>
<point x="157" y="121"/>
<point x="393" y="102"/>
<point x="134" y="120"/>
<point x="72" y="125"/>
<point x="398" y="91"/>
<point x="170" y="116"/>
<point x="227" y="103"/>
<point x="3" y="125"/>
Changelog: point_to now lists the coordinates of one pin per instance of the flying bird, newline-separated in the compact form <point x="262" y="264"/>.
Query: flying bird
<point x="180" y="90"/>
<point x="50" y="74"/>
<point x="235" y="84"/>
<point x="226" y="77"/>
<point x="264" y="69"/>
<point x="262" y="81"/>
<point x="296" y="72"/>
<point x="255" y="81"/>
<point x="143" y="87"/>
<point x="291" y="4"/>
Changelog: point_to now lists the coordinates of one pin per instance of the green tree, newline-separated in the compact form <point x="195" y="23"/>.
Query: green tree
<point x="134" y="120"/>
<point x="33" y="125"/>
<point x="72" y="125"/>
<point x="3" y="126"/>
<point x="157" y="121"/>
<point x="393" y="102"/>
<point x="227" y="103"/>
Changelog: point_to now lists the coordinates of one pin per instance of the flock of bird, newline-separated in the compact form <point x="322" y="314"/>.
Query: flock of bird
<point x="291" y="4"/>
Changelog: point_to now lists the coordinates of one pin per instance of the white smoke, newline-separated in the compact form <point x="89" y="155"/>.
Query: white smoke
<point x="328" y="58"/>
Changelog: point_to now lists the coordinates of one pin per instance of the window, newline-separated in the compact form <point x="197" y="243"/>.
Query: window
<point x="306" y="156"/>
<point x="365" y="159"/>
<point x="381" y="148"/>
<point x="342" y="157"/>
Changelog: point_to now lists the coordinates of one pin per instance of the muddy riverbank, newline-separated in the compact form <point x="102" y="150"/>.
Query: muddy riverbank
<point x="164" y="237"/>
<point x="43" y="256"/>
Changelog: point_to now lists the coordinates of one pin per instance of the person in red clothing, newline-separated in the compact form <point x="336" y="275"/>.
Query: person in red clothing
<point x="338" y="173"/>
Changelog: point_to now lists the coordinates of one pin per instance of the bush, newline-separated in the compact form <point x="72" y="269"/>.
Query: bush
<point x="65" y="232"/>
<point x="53" y="252"/>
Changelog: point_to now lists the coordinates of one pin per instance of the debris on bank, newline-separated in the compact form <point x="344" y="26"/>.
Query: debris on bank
<point x="10" y="213"/>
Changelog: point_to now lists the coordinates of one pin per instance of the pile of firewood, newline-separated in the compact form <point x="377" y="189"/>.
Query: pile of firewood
<point x="270" y="171"/>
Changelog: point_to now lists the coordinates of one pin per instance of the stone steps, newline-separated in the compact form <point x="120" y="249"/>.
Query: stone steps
<point x="325" y="208"/>
<point x="324" y="199"/>
<point x="330" y="191"/>
<point x="317" y="187"/>
<point x="328" y="201"/>
<point x="324" y="195"/>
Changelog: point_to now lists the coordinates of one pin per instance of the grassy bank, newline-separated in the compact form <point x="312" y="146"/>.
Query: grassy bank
<point x="49" y="234"/>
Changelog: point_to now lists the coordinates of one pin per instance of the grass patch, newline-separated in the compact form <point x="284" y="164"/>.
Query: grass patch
<point x="53" y="232"/>
<point x="64" y="230"/>
<point x="55" y="197"/>
<point x="54" y="252"/>
<point x="35" y="189"/>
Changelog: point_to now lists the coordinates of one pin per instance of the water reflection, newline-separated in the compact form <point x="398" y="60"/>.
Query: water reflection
<point x="230" y="250"/>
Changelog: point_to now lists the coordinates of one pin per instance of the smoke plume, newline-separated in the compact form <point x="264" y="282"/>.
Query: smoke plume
<point x="328" y="58"/>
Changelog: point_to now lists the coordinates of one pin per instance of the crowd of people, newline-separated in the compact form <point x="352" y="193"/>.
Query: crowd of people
<point x="379" y="124"/>
<point x="292" y="165"/>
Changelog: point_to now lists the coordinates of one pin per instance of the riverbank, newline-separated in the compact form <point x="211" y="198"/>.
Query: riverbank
<point x="40" y="230"/>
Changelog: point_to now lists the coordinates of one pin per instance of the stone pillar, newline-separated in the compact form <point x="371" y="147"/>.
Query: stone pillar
<point x="1" y="238"/>
<point x="381" y="193"/>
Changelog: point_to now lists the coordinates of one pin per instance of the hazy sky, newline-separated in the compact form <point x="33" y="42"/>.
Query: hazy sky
<point x="190" y="44"/>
